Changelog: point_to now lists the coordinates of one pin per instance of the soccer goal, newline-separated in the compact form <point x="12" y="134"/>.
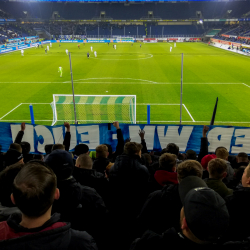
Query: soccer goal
<point x="94" y="108"/>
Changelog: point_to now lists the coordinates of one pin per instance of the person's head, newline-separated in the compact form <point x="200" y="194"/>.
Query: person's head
<point x="81" y="149"/>
<point x="58" y="146"/>
<point x="48" y="148"/>
<point x="190" y="155"/>
<point x="16" y="147"/>
<point x="13" y="156"/>
<point x="168" y="162"/>
<point x="7" y="177"/>
<point x="245" y="180"/>
<point x="189" y="168"/>
<point x="132" y="148"/>
<point x="102" y="151"/>
<point x="110" y="151"/>
<point x="38" y="157"/>
<point x="222" y="153"/>
<point x="148" y="159"/>
<point x="61" y="162"/>
<point x="242" y="157"/>
<point x="204" y="217"/>
<point x="172" y="148"/>
<point x="206" y="159"/>
<point x="217" y="169"/>
<point x="25" y="147"/>
<point x="34" y="189"/>
<point x="107" y="169"/>
<point x="84" y="161"/>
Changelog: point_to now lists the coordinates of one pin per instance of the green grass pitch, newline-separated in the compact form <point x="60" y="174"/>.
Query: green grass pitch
<point x="151" y="72"/>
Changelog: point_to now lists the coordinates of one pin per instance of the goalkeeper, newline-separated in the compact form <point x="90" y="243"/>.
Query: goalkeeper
<point x="60" y="70"/>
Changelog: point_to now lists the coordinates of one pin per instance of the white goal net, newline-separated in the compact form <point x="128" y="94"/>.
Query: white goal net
<point x="94" y="108"/>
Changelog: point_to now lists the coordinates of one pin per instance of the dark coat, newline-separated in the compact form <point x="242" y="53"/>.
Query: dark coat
<point x="238" y="205"/>
<point x="60" y="238"/>
<point x="161" y="210"/>
<point x="91" y="178"/>
<point x="82" y="206"/>
<point x="170" y="240"/>
<point x="100" y="164"/>
<point x="219" y="187"/>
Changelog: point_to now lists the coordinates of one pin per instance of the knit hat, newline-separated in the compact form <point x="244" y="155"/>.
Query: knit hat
<point x="12" y="156"/>
<point x="205" y="210"/>
<point x="61" y="162"/>
<point x="206" y="159"/>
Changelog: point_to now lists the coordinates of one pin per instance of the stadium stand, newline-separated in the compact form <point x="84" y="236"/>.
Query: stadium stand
<point x="136" y="194"/>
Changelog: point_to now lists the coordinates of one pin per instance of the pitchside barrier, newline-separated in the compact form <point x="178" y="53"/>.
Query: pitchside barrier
<point x="235" y="139"/>
<point x="26" y="46"/>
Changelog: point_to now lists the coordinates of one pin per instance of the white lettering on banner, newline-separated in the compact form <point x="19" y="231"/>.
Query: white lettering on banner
<point x="172" y="136"/>
<point x="47" y="137"/>
<point x="89" y="135"/>
<point x="244" y="141"/>
<point x="28" y="134"/>
<point x="149" y="135"/>
<point x="73" y="139"/>
<point x="58" y="135"/>
<point x="219" y="137"/>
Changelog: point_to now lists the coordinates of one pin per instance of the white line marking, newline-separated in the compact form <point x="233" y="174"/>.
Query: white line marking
<point x="150" y="56"/>
<point x="153" y="83"/>
<point x="115" y="78"/>
<point x="11" y="111"/>
<point x="28" y="120"/>
<point x="136" y="121"/>
<point x="246" y="85"/>
<point x="188" y="112"/>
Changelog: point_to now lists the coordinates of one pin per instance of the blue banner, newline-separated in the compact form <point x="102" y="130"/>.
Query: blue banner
<point x="157" y="137"/>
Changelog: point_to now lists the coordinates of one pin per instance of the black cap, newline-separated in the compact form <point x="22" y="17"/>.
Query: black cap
<point x="205" y="210"/>
<point x="81" y="149"/>
<point x="61" y="162"/>
<point x="12" y="156"/>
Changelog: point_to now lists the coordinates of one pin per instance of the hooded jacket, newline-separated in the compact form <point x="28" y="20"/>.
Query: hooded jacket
<point x="51" y="235"/>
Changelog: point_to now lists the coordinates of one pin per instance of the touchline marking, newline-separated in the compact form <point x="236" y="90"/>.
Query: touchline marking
<point x="188" y="112"/>
<point x="11" y="111"/>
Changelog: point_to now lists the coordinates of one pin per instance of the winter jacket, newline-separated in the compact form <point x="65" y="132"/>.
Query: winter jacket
<point x="52" y="235"/>
<point x="238" y="205"/>
<point x="100" y="164"/>
<point x="161" y="210"/>
<point x="219" y="187"/>
<point x="82" y="206"/>
<point x="170" y="240"/>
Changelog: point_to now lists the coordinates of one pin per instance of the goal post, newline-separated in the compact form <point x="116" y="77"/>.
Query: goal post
<point x="94" y="108"/>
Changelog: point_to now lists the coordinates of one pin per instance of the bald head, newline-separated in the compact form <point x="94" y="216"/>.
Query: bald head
<point x="84" y="161"/>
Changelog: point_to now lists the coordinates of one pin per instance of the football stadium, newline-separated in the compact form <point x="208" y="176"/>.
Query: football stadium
<point x="124" y="124"/>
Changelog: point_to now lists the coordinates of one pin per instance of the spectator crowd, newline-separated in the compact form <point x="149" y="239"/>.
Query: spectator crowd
<point x="129" y="198"/>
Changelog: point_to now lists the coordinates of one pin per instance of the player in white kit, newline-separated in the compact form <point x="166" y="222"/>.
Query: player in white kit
<point x="50" y="44"/>
<point x="22" y="51"/>
<point x="174" y="44"/>
<point x="66" y="51"/>
<point x="115" y="46"/>
<point x="170" y="48"/>
<point x="48" y="47"/>
<point x="95" y="53"/>
<point x="91" y="48"/>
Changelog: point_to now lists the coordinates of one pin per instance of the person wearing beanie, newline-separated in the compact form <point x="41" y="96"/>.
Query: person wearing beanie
<point x="12" y="156"/>
<point x="80" y="205"/>
<point x="204" y="219"/>
<point x="204" y="162"/>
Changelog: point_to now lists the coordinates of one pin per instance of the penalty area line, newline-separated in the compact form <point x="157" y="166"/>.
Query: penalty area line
<point x="11" y="111"/>
<point x="188" y="112"/>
